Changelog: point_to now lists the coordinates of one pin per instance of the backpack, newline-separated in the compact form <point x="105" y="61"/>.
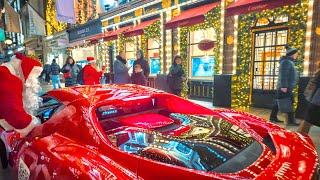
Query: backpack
<point x="80" y="79"/>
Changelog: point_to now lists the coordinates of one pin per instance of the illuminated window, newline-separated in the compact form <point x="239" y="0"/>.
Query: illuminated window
<point x="269" y="46"/>
<point x="201" y="62"/>
<point x="130" y="54"/>
<point x="153" y="55"/>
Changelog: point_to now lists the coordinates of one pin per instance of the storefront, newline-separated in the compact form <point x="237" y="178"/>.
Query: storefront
<point x="263" y="28"/>
<point x="199" y="30"/>
<point x="55" y="48"/>
<point x="84" y="41"/>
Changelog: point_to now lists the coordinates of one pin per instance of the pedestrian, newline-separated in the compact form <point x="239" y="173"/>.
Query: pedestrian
<point x="121" y="75"/>
<point x="287" y="80"/>
<point x="176" y="76"/>
<point x="46" y="72"/>
<point x="143" y="63"/>
<point x="138" y="76"/>
<point x="70" y="71"/>
<point x="91" y="75"/>
<point x="312" y="94"/>
<point x="55" y="71"/>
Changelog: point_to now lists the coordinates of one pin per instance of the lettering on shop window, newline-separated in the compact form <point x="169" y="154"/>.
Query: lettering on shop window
<point x="151" y="10"/>
<point x="257" y="7"/>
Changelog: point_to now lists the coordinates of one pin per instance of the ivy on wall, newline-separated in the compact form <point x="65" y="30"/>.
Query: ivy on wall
<point x="297" y="31"/>
<point x="213" y="19"/>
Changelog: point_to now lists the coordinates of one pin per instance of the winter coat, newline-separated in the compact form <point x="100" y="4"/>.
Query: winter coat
<point x="313" y="111"/>
<point x="287" y="73"/>
<point x="175" y="76"/>
<point x="55" y="69"/>
<point x="121" y="75"/>
<point x="91" y="76"/>
<point x="144" y="65"/>
<point x="71" y="81"/>
<point x="139" y="78"/>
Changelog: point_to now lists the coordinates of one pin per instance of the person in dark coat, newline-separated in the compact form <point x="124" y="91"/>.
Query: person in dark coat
<point x="313" y="111"/>
<point x="121" y="75"/>
<point x="46" y="73"/>
<point x="138" y="76"/>
<point x="287" y="81"/>
<point x="176" y="76"/>
<point x="55" y="71"/>
<point x="143" y="63"/>
<point x="72" y="68"/>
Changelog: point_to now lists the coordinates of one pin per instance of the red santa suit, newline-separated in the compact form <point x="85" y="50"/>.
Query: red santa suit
<point x="90" y="75"/>
<point x="19" y="84"/>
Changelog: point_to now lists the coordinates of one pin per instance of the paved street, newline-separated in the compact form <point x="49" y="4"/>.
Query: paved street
<point x="264" y="113"/>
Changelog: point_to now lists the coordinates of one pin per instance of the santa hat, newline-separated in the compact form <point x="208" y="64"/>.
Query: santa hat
<point x="91" y="60"/>
<point x="29" y="66"/>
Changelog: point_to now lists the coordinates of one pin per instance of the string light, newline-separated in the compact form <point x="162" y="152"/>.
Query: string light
<point x="297" y="25"/>
<point x="308" y="39"/>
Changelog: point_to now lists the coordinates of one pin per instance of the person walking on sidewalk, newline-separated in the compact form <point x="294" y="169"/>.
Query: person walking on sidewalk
<point x="287" y="81"/>
<point x="312" y="94"/>
<point x="55" y="71"/>
<point x="70" y="71"/>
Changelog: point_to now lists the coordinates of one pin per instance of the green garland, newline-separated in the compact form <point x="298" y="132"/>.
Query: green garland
<point x="213" y="19"/>
<point x="152" y="31"/>
<point x="297" y="30"/>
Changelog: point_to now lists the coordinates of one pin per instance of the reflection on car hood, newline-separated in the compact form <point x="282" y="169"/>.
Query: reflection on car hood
<point x="206" y="144"/>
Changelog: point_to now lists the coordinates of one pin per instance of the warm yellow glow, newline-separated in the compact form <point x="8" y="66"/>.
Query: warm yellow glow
<point x="308" y="39"/>
<point x="235" y="45"/>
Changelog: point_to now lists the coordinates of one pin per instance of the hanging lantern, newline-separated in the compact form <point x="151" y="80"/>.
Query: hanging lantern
<point x="206" y="45"/>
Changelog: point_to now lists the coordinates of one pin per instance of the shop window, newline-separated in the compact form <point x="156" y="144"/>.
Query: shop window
<point x="271" y="21"/>
<point x="269" y="46"/>
<point x="153" y="55"/>
<point x="130" y="54"/>
<point x="201" y="62"/>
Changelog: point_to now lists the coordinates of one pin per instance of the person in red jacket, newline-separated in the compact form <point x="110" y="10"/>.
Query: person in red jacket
<point x="90" y="74"/>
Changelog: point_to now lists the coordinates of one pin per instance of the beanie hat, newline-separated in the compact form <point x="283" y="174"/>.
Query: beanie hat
<point x="91" y="60"/>
<point x="29" y="66"/>
<point x="290" y="50"/>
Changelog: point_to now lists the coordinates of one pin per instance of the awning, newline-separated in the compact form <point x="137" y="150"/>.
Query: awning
<point x="113" y="35"/>
<point x="95" y="39"/>
<point x="191" y="16"/>
<point x="138" y="29"/>
<point x="249" y="6"/>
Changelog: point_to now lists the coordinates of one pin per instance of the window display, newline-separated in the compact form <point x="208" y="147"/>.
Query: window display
<point x="153" y="55"/>
<point x="269" y="47"/>
<point x="203" y="66"/>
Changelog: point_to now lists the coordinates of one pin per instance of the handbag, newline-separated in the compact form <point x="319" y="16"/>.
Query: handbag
<point x="67" y="75"/>
<point x="285" y="105"/>
<point x="316" y="98"/>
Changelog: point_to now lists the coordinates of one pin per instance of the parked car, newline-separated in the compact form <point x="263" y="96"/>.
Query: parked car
<point x="134" y="132"/>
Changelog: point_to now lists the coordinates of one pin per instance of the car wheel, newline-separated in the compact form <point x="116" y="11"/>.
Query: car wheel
<point x="3" y="155"/>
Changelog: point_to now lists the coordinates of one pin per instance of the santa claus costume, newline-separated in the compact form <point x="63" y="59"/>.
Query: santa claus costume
<point x="90" y="75"/>
<point x="18" y="93"/>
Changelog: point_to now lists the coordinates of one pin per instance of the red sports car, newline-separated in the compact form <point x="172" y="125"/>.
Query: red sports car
<point x="134" y="132"/>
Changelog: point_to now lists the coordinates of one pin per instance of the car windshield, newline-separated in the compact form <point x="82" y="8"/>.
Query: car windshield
<point x="156" y="131"/>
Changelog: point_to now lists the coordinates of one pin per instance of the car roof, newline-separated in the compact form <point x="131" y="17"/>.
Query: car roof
<point x="107" y="91"/>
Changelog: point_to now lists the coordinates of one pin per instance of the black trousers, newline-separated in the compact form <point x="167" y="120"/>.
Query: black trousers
<point x="275" y="108"/>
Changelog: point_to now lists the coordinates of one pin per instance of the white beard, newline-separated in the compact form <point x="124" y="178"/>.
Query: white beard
<point x="31" y="101"/>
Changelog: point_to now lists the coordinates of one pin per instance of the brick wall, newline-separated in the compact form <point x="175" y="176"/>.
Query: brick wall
<point x="228" y="48"/>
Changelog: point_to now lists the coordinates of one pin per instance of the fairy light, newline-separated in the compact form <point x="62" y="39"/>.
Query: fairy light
<point x="235" y="44"/>
<point x="161" y="38"/>
<point x="222" y="36"/>
<point x="308" y="39"/>
<point x="168" y="43"/>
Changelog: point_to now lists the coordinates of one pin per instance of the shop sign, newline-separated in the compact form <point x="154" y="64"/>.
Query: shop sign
<point x="128" y="16"/>
<point x="258" y="7"/>
<point x="86" y="30"/>
<point x="153" y="8"/>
